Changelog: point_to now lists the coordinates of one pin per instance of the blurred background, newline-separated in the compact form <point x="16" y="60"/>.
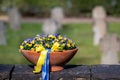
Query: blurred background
<point x="94" y="25"/>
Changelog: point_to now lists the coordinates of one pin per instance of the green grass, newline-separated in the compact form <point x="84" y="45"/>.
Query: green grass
<point x="81" y="33"/>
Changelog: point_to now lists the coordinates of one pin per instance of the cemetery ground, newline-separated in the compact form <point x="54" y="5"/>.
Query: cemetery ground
<point x="81" y="33"/>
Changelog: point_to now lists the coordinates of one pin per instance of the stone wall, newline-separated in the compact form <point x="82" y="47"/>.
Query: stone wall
<point x="71" y="72"/>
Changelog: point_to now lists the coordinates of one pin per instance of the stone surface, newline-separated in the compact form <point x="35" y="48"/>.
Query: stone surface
<point x="109" y="46"/>
<point x="72" y="72"/>
<point x="2" y="33"/>
<point x="50" y="26"/>
<point x="5" y="71"/>
<point x="24" y="72"/>
<point x="99" y="24"/>
<point x="14" y="18"/>
<point x="98" y="13"/>
<point x="57" y="14"/>
<point x="105" y="72"/>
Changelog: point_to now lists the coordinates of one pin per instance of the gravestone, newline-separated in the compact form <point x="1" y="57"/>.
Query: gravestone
<point x="2" y="33"/>
<point x="99" y="24"/>
<point x="14" y="18"/>
<point x="109" y="46"/>
<point x="50" y="26"/>
<point x="57" y="14"/>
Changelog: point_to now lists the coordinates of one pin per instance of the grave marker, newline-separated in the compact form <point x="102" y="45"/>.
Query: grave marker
<point x="99" y="24"/>
<point x="57" y="14"/>
<point x="14" y="18"/>
<point x="2" y="33"/>
<point x="109" y="46"/>
<point x="50" y="26"/>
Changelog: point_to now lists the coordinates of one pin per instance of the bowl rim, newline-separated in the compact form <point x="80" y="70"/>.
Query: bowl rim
<point x="51" y="52"/>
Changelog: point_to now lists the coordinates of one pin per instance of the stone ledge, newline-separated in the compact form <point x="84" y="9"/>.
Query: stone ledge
<point x="5" y="71"/>
<point x="24" y="72"/>
<point x="71" y="72"/>
<point x="105" y="72"/>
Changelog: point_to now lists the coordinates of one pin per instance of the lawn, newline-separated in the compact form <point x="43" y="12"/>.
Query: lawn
<point x="81" y="33"/>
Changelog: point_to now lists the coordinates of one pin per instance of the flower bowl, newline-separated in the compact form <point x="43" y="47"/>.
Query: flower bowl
<point x="57" y="59"/>
<point x="62" y="49"/>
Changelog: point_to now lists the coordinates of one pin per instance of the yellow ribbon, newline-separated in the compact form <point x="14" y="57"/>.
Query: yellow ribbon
<point x="41" y="59"/>
<point x="39" y="48"/>
<point x="43" y="55"/>
<point x="55" y="46"/>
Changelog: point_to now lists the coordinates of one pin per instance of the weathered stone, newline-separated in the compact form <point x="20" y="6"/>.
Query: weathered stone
<point x="14" y="18"/>
<point x="99" y="24"/>
<point x="99" y="13"/>
<point x="57" y="14"/>
<point x="5" y="71"/>
<point x="109" y="46"/>
<point x="50" y="26"/>
<point x="72" y="72"/>
<point x="105" y="72"/>
<point x="24" y="72"/>
<point x="2" y="33"/>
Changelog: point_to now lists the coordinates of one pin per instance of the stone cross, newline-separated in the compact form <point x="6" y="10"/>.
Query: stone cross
<point x="99" y="24"/>
<point x="14" y="18"/>
<point x="109" y="46"/>
<point x="50" y="26"/>
<point x="2" y="33"/>
<point x="57" y="14"/>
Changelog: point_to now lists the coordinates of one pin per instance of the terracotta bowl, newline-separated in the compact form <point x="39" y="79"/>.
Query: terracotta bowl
<point x="57" y="59"/>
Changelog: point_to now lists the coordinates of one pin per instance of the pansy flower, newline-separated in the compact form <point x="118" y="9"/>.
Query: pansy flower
<point x="55" y="42"/>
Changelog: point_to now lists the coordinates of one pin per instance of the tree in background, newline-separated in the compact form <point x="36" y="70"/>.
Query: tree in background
<point x="82" y="8"/>
<point x="11" y="7"/>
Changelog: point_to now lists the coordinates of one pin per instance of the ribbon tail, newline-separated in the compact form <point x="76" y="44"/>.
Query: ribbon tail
<point x="45" y="67"/>
<point x="37" y="69"/>
<point x="40" y="61"/>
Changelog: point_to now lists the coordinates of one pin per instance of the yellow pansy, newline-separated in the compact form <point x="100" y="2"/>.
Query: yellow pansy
<point x="54" y="42"/>
<point x="32" y="49"/>
<point x="68" y="45"/>
<point x="37" y="35"/>
<point x="51" y="36"/>
<point x="60" y="37"/>
<point x="21" y="47"/>
<point x="73" y="44"/>
<point x="36" y="45"/>
<point x="30" y="45"/>
<point x="69" y="41"/>
<point x="47" y="45"/>
<point x="63" y="45"/>
<point x="65" y="38"/>
<point x="40" y="39"/>
<point x="62" y="41"/>
<point x="33" y="41"/>
<point x="25" y="41"/>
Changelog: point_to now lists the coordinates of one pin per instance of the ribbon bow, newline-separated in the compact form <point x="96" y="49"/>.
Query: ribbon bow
<point x="43" y="61"/>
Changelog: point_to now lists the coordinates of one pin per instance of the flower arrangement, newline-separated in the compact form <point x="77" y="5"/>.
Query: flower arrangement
<point x="54" y="50"/>
<point x="55" y="42"/>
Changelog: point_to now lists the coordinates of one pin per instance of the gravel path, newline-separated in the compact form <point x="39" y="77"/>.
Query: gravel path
<point x="70" y="20"/>
<point x="66" y="20"/>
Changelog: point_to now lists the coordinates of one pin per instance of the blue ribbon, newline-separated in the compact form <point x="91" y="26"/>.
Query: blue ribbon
<point x="45" y="67"/>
